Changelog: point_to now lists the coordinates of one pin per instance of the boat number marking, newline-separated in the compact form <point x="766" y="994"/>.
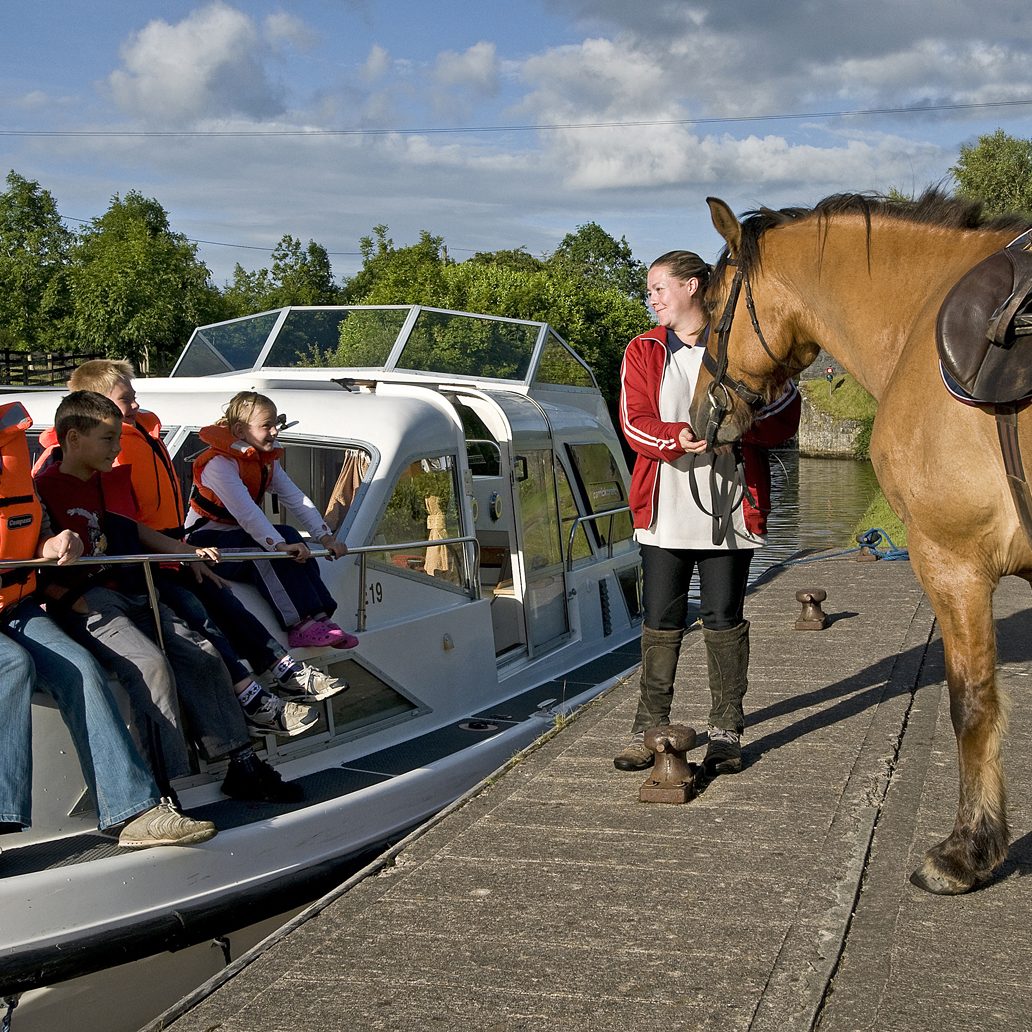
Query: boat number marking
<point x="375" y="592"/>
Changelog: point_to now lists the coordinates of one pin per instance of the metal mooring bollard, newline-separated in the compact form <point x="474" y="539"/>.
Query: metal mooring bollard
<point x="673" y="778"/>
<point x="812" y="618"/>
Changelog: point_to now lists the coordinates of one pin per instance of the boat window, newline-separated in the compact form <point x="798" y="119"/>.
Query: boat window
<point x="601" y="484"/>
<point x="482" y="451"/>
<point x="351" y="338"/>
<point x="464" y="345"/>
<point x="568" y="514"/>
<point x="559" y="365"/>
<point x="423" y="507"/>
<point x="223" y="347"/>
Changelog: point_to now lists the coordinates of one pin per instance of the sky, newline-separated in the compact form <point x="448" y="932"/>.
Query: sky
<point x="494" y="124"/>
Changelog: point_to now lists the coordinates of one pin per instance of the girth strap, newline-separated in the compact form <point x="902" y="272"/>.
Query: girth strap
<point x="1007" y="428"/>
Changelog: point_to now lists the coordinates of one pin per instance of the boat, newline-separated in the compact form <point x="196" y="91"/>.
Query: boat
<point x="471" y="466"/>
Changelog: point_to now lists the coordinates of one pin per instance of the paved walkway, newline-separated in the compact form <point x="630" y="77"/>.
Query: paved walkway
<point x="778" y="900"/>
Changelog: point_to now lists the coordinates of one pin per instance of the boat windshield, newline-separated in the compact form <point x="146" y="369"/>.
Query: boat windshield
<point x="396" y="337"/>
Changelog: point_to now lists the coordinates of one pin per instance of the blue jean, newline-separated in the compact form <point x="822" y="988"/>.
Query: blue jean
<point x="35" y="651"/>
<point x="294" y="590"/>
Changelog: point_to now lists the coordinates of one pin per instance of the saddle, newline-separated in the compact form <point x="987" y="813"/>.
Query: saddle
<point x="984" y="329"/>
<point x="984" y="337"/>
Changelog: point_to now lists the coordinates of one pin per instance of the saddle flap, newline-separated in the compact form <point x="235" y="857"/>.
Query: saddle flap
<point x="984" y="328"/>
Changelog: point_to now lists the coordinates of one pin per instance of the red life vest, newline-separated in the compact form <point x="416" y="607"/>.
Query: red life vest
<point x="20" y="511"/>
<point x="254" y="467"/>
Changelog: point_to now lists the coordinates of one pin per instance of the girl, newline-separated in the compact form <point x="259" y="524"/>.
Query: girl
<point x="231" y="479"/>
<point x="657" y="381"/>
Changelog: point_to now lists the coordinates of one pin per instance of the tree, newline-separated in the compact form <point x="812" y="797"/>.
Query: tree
<point x="138" y="288"/>
<point x="997" y="171"/>
<point x="592" y="254"/>
<point x="35" y="303"/>
<point x="399" y="275"/>
<point x="297" y="277"/>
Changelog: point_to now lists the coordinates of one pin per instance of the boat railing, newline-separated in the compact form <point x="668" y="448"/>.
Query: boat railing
<point x="590" y="518"/>
<point x="146" y="561"/>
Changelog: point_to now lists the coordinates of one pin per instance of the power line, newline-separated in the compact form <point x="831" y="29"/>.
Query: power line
<point x="539" y="127"/>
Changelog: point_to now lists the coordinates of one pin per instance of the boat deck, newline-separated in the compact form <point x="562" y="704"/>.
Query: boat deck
<point x="777" y="900"/>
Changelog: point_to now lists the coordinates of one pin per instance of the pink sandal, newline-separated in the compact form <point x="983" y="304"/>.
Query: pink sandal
<point x="344" y="640"/>
<point x="312" y="634"/>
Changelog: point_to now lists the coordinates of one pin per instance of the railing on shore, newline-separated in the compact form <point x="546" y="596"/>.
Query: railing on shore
<point x="471" y="570"/>
<point x="40" y="368"/>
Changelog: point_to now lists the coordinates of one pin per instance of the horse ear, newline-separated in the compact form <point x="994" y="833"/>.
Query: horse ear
<point x="726" y="224"/>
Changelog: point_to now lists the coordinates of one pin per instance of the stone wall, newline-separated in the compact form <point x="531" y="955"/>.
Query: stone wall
<point x="824" y="436"/>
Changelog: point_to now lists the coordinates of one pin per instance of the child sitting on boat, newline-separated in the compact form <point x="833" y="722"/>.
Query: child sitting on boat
<point x="35" y="652"/>
<point x="206" y="603"/>
<point x="231" y="479"/>
<point x="106" y="609"/>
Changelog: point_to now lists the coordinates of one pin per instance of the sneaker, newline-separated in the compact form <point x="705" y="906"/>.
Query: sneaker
<point x="635" y="755"/>
<point x="251" y="778"/>
<point x="164" y="825"/>
<point x="313" y="634"/>
<point x="310" y="684"/>
<point x="280" y="718"/>
<point x="344" y="639"/>
<point x="724" y="752"/>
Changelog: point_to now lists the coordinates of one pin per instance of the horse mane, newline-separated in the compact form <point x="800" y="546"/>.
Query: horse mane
<point x="934" y="207"/>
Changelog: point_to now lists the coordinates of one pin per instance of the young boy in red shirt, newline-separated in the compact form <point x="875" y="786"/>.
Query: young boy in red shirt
<point x="108" y="610"/>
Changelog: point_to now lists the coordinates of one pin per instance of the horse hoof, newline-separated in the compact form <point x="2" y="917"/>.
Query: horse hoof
<point x="930" y="879"/>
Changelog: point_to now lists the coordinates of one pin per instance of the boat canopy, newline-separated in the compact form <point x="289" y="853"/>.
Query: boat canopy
<point x="389" y="338"/>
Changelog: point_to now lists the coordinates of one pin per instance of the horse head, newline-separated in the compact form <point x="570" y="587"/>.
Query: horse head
<point x="747" y="360"/>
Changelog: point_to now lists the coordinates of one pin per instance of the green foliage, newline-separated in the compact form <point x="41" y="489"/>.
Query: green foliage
<point x="844" y="398"/>
<point x="592" y="255"/>
<point x="138" y="288"/>
<point x="35" y="302"/>
<point x="297" y="277"/>
<point x="998" y="171"/>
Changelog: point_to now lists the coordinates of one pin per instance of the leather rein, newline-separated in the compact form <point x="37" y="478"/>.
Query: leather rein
<point x="728" y="486"/>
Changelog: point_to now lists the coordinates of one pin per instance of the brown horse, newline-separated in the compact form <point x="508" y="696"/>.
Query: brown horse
<point x="865" y="278"/>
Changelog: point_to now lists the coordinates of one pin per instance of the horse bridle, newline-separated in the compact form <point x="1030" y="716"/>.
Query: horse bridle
<point x="718" y="367"/>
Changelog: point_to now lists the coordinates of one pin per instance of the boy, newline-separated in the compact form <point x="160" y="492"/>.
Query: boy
<point x="108" y="610"/>
<point x="35" y="652"/>
<point x="207" y="605"/>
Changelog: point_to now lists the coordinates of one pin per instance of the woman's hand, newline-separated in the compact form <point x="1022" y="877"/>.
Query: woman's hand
<point x="65" y="547"/>
<point x="207" y="552"/>
<point x="333" y="546"/>
<point x="690" y="443"/>
<point x="298" y="549"/>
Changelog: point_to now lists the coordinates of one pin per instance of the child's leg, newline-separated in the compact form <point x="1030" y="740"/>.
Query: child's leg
<point x="118" y="778"/>
<point x="16" y="678"/>
<point x="112" y="632"/>
<point x="205" y="690"/>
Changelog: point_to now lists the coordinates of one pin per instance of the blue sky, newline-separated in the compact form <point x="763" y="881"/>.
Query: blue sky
<point x="325" y="118"/>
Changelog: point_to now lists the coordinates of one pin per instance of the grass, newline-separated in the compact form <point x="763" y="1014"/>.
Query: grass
<point x="878" y="514"/>
<point x="844" y="398"/>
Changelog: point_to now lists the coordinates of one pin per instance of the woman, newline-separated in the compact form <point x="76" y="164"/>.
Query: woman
<point x="657" y="380"/>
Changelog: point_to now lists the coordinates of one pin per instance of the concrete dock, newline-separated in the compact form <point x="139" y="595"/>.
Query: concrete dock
<point x="777" y="900"/>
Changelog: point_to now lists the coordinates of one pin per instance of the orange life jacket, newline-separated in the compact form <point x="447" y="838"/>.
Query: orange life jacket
<point x="21" y="514"/>
<point x="254" y="467"/>
<point x="155" y="483"/>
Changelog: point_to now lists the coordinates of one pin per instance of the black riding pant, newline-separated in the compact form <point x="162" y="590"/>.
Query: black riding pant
<point x="667" y="573"/>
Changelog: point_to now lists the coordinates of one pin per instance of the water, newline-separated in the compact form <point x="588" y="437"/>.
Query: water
<point x="817" y="503"/>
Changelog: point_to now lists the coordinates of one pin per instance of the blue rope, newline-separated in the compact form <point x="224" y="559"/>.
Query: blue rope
<point x="869" y="540"/>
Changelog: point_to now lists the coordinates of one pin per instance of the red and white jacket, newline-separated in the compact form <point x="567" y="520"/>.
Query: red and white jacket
<point x="655" y="440"/>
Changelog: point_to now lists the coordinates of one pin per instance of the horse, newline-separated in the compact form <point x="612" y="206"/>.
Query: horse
<point x="865" y="277"/>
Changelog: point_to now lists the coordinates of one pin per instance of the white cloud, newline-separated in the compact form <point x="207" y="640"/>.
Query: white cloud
<point x="461" y="80"/>
<point x="377" y="64"/>
<point x="285" y="28"/>
<point x="209" y="65"/>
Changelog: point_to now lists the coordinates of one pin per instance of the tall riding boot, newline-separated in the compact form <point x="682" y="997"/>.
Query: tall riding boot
<point x="727" y="661"/>
<point x="659" y="654"/>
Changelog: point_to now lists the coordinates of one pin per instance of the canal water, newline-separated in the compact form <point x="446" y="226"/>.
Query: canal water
<point x="817" y="503"/>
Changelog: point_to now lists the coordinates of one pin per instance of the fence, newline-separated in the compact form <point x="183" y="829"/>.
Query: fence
<point x="40" y="368"/>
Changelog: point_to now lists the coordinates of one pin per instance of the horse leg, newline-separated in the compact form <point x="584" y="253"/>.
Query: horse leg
<point x="961" y="597"/>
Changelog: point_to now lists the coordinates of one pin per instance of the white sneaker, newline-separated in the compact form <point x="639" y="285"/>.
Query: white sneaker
<point x="164" y="825"/>
<point x="280" y="718"/>
<point x="310" y="684"/>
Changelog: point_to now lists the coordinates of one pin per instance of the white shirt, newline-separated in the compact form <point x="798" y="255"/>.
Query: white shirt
<point x="678" y="522"/>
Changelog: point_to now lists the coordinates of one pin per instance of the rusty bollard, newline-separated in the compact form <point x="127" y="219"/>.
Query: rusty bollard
<point x="673" y="778"/>
<point x="812" y="618"/>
